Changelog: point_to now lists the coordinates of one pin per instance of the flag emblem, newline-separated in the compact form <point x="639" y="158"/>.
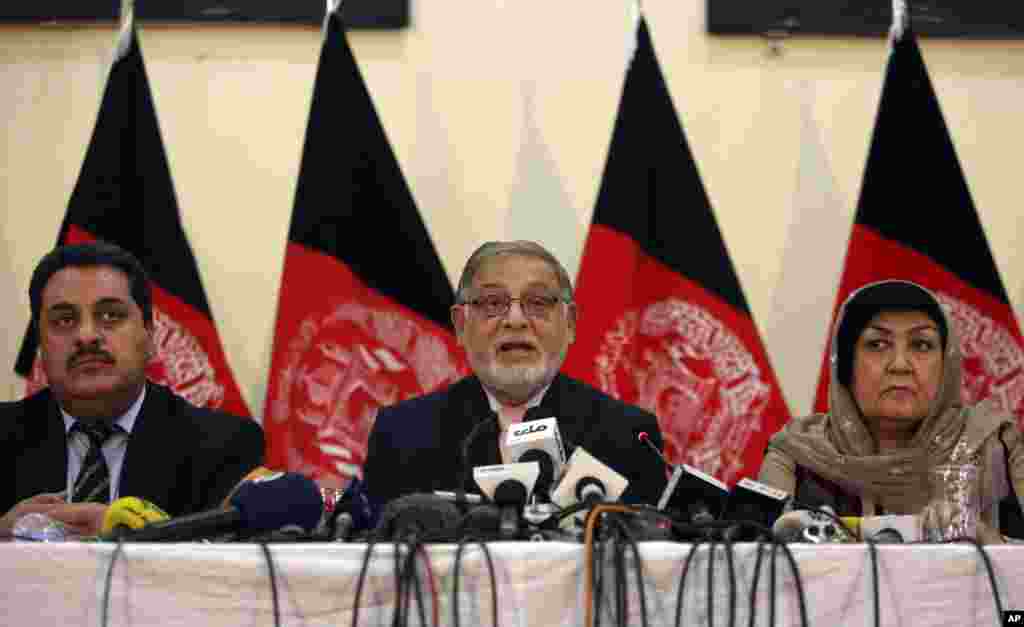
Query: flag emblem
<point x="681" y="363"/>
<point x="992" y="361"/>
<point x="340" y="368"/>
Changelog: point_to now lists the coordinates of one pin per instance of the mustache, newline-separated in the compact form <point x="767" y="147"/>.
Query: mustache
<point x="89" y="353"/>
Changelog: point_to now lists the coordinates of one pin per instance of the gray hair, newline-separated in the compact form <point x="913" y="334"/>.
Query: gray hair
<point x="524" y="248"/>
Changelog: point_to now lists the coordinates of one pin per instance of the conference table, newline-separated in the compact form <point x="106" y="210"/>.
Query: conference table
<point x="537" y="583"/>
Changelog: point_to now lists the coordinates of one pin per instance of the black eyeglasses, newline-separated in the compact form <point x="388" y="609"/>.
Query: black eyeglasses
<point x="533" y="305"/>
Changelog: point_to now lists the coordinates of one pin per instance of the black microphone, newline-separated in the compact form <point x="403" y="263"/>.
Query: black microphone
<point x="486" y="425"/>
<point x="756" y="502"/>
<point x="693" y="494"/>
<point x="261" y="505"/>
<point x="421" y="515"/>
<point x="646" y="439"/>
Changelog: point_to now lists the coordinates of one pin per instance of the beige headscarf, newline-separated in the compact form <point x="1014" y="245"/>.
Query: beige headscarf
<point x="839" y="447"/>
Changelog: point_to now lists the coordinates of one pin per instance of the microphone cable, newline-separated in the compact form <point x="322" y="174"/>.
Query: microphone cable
<point x="402" y="572"/>
<point x="996" y="598"/>
<point x="776" y="545"/>
<point x="273" y="582"/>
<point x="876" y="607"/>
<point x="588" y="542"/>
<point x="108" y="583"/>
<point x="407" y="580"/>
<point x="638" y="569"/>
<point x="463" y="541"/>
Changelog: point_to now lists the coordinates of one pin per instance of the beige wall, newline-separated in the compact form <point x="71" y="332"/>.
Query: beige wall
<point x="500" y="114"/>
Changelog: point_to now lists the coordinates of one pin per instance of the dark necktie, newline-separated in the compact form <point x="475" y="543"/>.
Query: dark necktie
<point x="93" y="482"/>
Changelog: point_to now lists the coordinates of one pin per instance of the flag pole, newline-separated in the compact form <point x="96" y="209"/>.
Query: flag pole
<point x="127" y="25"/>
<point x="900" y="20"/>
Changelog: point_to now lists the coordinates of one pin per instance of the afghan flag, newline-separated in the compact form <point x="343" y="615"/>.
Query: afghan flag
<point x="916" y="221"/>
<point x="363" y="311"/>
<point x="124" y="195"/>
<point x="663" y="320"/>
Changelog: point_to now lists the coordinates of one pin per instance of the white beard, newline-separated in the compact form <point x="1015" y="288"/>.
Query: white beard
<point x="519" y="382"/>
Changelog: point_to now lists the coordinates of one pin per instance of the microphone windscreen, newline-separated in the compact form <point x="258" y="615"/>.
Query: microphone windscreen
<point x="130" y="512"/>
<point x="419" y="514"/>
<point x="547" y="468"/>
<point x="270" y="502"/>
<point x="510" y="492"/>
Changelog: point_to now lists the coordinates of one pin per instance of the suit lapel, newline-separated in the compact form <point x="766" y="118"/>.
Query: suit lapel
<point x="467" y="406"/>
<point x="46" y="465"/>
<point x="151" y="462"/>
<point x="560" y="401"/>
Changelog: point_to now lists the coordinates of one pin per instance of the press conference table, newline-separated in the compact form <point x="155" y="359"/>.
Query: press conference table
<point x="539" y="583"/>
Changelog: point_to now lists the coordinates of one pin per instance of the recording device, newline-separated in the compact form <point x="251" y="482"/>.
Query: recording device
<point x="262" y="505"/>
<point x="423" y="516"/>
<point x="696" y="496"/>
<point x="537" y="441"/>
<point x="587" y="480"/>
<point x="812" y="526"/>
<point x="754" y="501"/>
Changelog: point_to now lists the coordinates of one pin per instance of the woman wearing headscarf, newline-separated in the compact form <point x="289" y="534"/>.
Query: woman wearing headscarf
<point x="895" y="411"/>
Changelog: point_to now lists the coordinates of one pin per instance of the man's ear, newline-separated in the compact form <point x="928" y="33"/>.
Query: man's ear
<point x="458" y="313"/>
<point x="571" y="314"/>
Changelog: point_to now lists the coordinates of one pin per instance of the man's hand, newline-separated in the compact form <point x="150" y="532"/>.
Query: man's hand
<point x="81" y="519"/>
<point x="40" y="503"/>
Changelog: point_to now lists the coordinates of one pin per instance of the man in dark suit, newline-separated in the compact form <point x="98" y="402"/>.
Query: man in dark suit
<point x="100" y="430"/>
<point x="516" y="318"/>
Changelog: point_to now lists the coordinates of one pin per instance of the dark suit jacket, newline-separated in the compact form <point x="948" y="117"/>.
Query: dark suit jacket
<point x="182" y="458"/>
<point x="415" y="445"/>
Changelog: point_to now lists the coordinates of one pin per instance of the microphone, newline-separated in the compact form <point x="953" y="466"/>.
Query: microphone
<point x="127" y="513"/>
<point x="255" y="473"/>
<point x="353" y="512"/>
<point x="486" y="425"/>
<point x="509" y="486"/>
<point x="694" y="494"/>
<point x="418" y="515"/>
<point x="646" y="439"/>
<point x="587" y="480"/>
<point x="808" y="525"/>
<point x="538" y="441"/>
<point x="261" y="505"/>
<point x="755" y="501"/>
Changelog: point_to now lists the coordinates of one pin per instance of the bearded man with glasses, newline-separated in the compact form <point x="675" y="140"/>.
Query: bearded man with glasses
<point x="515" y="318"/>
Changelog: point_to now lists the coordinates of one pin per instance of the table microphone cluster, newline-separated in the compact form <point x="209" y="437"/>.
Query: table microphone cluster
<point x="276" y="503"/>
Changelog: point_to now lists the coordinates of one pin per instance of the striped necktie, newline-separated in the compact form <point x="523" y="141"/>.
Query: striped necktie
<point x="93" y="482"/>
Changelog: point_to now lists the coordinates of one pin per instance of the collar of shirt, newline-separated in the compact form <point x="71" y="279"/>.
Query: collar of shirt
<point x="507" y="416"/>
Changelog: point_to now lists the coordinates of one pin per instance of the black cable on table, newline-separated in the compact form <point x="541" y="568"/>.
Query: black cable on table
<point x="108" y="583"/>
<point x="996" y="598"/>
<point x="371" y="544"/>
<point x="273" y="582"/>
<point x="873" y="553"/>
<point x="455" y="583"/>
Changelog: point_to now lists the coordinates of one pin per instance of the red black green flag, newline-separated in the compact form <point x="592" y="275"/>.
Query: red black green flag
<point x="663" y="321"/>
<point x="124" y="195"/>
<point x="363" y="311"/>
<point x="916" y="221"/>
